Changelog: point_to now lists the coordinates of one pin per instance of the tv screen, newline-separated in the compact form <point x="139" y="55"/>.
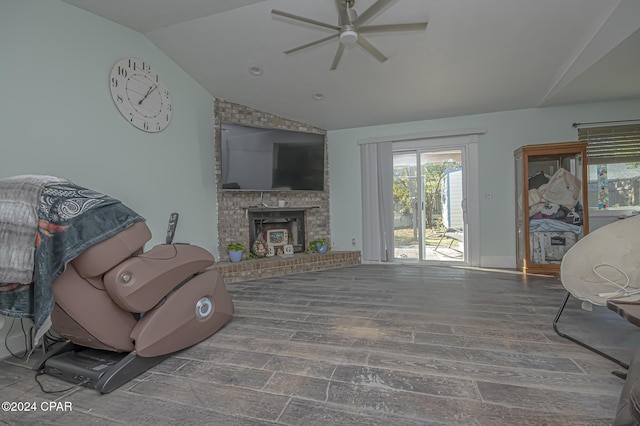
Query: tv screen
<point x="264" y="159"/>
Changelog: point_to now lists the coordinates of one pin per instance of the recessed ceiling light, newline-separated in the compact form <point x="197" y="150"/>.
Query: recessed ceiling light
<point x="318" y="96"/>
<point x="256" y="70"/>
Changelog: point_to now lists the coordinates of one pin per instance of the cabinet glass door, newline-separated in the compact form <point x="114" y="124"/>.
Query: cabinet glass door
<point x="550" y="204"/>
<point x="556" y="207"/>
<point x="520" y="205"/>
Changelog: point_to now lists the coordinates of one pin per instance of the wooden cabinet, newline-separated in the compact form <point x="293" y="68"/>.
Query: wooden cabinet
<point x="551" y="203"/>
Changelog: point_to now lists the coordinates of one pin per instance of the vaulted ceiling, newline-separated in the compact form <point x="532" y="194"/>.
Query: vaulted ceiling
<point x="474" y="56"/>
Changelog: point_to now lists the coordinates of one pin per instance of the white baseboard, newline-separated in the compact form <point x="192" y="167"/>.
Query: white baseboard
<point x="498" y="262"/>
<point x="15" y="340"/>
<point x="16" y="343"/>
<point x="494" y="262"/>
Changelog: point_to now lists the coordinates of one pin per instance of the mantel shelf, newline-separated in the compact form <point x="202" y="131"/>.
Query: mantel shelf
<point x="279" y="209"/>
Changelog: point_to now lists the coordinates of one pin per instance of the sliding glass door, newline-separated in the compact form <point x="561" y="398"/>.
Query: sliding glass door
<point x="429" y="205"/>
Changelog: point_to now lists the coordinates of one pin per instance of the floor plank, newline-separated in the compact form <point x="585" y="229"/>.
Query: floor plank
<point x="371" y="345"/>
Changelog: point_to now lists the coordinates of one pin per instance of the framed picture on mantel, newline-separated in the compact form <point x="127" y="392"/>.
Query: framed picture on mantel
<point x="277" y="237"/>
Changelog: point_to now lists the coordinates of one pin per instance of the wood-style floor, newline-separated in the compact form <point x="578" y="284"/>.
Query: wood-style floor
<point x="370" y="345"/>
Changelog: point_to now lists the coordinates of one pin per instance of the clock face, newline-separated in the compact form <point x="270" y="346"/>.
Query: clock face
<point x="140" y="95"/>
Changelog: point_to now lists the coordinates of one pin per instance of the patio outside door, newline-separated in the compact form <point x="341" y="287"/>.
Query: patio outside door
<point x="429" y="205"/>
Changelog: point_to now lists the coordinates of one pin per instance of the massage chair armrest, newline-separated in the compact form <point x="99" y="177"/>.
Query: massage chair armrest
<point x="140" y="282"/>
<point x="99" y="258"/>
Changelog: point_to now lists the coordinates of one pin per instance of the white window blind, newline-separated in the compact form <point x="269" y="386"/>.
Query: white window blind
<point x="612" y="144"/>
<point x="613" y="158"/>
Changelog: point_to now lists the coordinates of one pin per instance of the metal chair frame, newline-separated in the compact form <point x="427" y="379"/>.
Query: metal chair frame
<point x="581" y="343"/>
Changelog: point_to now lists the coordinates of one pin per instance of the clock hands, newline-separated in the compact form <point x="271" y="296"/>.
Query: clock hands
<point x="151" y="89"/>
<point x="140" y="95"/>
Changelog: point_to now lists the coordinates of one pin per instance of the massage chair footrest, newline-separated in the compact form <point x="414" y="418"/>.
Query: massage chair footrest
<point x="101" y="370"/>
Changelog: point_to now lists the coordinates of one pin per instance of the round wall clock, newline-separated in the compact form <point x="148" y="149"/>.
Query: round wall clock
<point x="140" y="95"/>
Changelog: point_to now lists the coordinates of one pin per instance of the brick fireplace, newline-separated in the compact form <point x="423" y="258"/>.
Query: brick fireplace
<point x="236" y="207"/>
<point x="305" y="214"/>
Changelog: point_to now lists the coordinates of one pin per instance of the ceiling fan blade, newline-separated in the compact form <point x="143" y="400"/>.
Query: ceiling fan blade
<point x="303" y="19"/>
<point x="369" y="48"/>
<point x="338" y="56"/>
<point x="393" y="27"/>
<point x="313" y="43"/>
<point x="369" y="13"/>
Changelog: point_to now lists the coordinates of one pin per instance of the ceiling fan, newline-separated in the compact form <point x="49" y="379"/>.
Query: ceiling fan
<point x="351" y="27"/>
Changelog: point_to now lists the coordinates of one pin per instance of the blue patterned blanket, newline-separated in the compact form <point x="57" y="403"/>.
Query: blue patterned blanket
<point x="70" y="220"/>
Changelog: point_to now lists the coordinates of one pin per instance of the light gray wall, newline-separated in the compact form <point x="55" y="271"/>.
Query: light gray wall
<point x="57" y="118"/>
<point x="506" y="131"/>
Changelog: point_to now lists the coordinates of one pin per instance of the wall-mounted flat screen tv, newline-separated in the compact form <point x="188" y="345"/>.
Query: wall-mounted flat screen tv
<point x="265" y="159"/>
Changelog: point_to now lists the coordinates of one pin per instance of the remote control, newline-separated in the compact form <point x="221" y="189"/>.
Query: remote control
<point x="171" y="230"/>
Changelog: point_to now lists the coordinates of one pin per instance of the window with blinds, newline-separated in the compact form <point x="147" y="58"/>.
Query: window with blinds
<point x="613" y="158"/>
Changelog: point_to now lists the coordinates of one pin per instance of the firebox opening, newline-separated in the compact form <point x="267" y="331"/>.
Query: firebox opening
<point x="292" y="221"/>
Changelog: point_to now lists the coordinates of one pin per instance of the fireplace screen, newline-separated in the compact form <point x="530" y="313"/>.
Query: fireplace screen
<point x="278" y="227"/>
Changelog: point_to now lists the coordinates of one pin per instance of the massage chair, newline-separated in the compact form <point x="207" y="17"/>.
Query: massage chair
<point x="124" y="310"/>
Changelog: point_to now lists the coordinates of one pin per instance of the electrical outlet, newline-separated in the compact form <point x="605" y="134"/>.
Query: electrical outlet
<point x="353" y="242"/>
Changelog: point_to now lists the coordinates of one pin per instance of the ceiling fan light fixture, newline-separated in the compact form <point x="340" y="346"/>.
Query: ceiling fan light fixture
<point x="348" y="37"/>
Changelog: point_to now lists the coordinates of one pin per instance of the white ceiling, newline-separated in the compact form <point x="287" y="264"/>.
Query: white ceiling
<point x="474" y="57"/>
